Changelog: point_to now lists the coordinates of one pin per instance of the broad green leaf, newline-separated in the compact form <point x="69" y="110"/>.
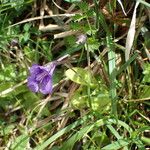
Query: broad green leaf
<point x="79" y="101"/>
<point x="80" y="76"/>
<point x="99" y="99"/>
<point x="101" y="102"/>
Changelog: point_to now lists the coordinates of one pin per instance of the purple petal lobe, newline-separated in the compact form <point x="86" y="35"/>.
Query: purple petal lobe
<point x="42" y="75"/>
<point x="35" y="69"/>
<point x="51" y="67"/>
<point x="46" y="85"/>
<point x="32" y="84"/>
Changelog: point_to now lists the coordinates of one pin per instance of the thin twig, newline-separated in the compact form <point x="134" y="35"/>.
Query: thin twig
<point x="138" y="100"/>
<point x="3" y="93"/>
<point x="43" y="17"/>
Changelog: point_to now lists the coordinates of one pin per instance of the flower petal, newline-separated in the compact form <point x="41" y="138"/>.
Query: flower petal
<point x="39" y="77"/>
<point x="46" y="85"/>
<point x="51" y="67"/>
<point x="81" y="39"/>
<point x="32" y="84"/>
<point x="35" y="69"/>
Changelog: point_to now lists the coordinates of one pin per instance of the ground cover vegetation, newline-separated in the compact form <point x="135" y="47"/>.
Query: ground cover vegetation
<point x="75" y="75"/>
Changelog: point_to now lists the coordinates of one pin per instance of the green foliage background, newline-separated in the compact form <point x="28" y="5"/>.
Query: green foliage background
<point x="99" y="100"/>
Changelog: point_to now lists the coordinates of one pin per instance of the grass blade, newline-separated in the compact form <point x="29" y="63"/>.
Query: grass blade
<point x="58" y="134"/>
<point x="116" y="145"/>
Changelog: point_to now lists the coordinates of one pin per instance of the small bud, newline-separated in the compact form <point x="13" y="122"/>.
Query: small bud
<point x="81" y="39"/>
<point x="14" y="42"/>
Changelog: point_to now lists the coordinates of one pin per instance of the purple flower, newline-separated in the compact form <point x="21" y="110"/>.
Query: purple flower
<point x="81" y="39"/>
<point x="40" y="79"/>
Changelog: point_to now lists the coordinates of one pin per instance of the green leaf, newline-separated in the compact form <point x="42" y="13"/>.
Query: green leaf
<point x="5" y="86"/>
<point x="29" y="53"/>
<point x="26" y="36"/>
<point x="139" y="143"/>
<point x="80" y="76"/>
<point x="70" y="143"/>
<point x="27" y="27"/>
<point x="6" y="130"/>
<point x="146" y="36"/>
<point x="60" y="133"/>
<point x="99" y="99"/>
<point x="114" y="131"/>
<point x="93" y="44"/>
<point x="146" y="73"/>
<point x="101" y="102"/>
<point x="124" y="66"/>
<point x="8" y="72"/>
<point x="100" y="138"/>
<point x="83" y="6"/>
<point x="78" y="135"/>
<point x="21" y="142"/>
<point x="83" y="131"/>
<point x="112" y="72"/>
<point x="116" y="145"/>
<point x="29" y="99"/>
<point x="78" y="18"/>
<point x="79" y="101"/>
<point x="145" y="140"/>
<point x="145" y="92"/>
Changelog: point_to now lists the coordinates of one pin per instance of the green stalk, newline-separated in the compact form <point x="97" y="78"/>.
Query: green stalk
<point x="111" y="64"/>
<point x="112" y="73"/>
